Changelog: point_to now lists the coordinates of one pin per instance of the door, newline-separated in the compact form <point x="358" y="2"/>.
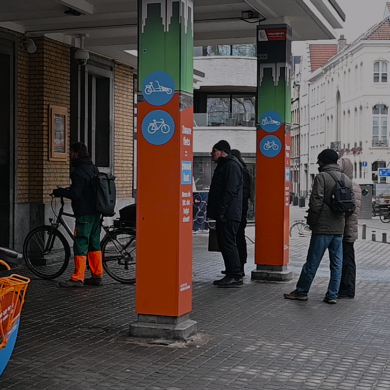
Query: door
<point x="6" y="137"/>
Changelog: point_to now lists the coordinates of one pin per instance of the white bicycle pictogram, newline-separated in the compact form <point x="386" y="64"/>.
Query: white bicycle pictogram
<point x="269" y="121"/>
<point x="150" y="88"/>
<point x="271" y="144"/>
<point x="158" y="125"/>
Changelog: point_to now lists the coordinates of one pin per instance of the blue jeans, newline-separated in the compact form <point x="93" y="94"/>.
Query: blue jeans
<point x="318" y="245"/>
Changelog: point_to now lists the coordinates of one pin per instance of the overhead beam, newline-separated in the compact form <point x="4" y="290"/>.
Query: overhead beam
<point x="79" y="5"/>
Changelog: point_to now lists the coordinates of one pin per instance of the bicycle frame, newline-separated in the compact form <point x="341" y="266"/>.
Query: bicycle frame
<point x="107" y="229"/>
<point x="60" y="221"/>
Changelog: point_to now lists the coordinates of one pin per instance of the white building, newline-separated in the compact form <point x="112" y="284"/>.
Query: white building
<point x="344" y="99"/>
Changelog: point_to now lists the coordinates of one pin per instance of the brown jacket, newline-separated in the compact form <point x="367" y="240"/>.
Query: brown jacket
<point x="351" y="221"/>
<point x="321" y="219"/>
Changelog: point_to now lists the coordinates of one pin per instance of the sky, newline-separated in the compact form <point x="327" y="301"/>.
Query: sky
<point x="361" y="15"/>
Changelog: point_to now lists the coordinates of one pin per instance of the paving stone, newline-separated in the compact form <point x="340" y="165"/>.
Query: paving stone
<point x="258" y="340"/>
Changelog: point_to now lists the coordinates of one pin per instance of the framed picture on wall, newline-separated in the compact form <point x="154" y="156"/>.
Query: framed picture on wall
<point x="58" y="133"/>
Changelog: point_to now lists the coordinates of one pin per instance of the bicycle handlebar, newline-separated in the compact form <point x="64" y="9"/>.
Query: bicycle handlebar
<point x="61" y="199"/>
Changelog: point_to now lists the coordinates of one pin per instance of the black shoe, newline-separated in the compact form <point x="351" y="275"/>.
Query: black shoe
<point x="219" y="281"/>
<point x="295" y="296"/>
<point x="330" y="300"/>
<point x="71" y="283"/>
<point x="231" y="283"/>
<point x="94" y="281"/>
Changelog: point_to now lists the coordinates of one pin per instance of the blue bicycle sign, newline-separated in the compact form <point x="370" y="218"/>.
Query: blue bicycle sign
<point x="271" y="121"/>
<point x="158" y="127"/>
<point x="158" y="88"/>
<point x="270" y="146"/>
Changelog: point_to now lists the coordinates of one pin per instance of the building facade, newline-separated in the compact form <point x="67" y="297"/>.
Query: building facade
<point x="344" y="97"/>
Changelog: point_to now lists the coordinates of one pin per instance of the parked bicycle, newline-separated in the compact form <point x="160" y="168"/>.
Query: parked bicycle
<point x="300" y="229"/>
<point x="47" y="252"/>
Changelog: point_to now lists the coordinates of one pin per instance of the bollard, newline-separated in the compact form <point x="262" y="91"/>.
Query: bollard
<point x="364" y="232"/>
<point x="384" y="237"/>
<point x="373" y="235"/>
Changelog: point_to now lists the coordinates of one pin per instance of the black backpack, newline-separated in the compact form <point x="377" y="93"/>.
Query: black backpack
<point x="341" y="197"/>
<point x="103" y="185"/>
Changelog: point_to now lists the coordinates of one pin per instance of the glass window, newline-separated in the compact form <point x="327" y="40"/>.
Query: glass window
<point x="380" y="72"/>
<point x="379" y="125"/>
<point x="203" y="171"/>
<point x="218" y="109"/>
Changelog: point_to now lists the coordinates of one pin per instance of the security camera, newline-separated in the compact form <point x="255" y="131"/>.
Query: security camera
<point x="81" y="56"/>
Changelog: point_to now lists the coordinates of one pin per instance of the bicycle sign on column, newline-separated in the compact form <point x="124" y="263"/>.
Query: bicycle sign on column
<point x="158" y="127"/>
<point x="270" y="146"/>
<point x="158" y="88"/>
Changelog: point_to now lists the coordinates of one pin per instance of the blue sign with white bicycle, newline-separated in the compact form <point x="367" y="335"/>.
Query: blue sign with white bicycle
<point x="270" y="146"/>
<point x="271" y="121"/>
<point x="158" y="88"/>
<point x="158" y="127"/>
<point x="186" y="172"/>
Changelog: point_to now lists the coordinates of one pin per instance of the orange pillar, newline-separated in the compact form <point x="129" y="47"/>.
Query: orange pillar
<point x="273" y="153"/>
<point x="164" y="198"/>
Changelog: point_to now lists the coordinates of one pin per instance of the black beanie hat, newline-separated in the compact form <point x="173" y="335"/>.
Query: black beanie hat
<point x="222" y="145"/>
<point x="328" y="156"/>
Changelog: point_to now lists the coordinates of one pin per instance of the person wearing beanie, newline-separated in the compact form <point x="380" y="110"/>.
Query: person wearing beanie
<point x="225" y="206"/>
<point x="327" y="229"/>
<point x="348" y="274"/>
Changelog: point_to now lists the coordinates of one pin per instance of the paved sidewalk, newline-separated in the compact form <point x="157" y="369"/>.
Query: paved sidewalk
<point x="251" y="338"/>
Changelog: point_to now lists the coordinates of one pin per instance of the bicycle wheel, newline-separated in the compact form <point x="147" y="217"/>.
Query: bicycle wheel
<point x="300" y="229"/>
<point x="119" y="255"/>
<point x="46" y="252"/>
<point x="384" y="217"/>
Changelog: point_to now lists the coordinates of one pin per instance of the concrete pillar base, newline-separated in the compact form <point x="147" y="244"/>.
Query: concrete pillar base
<point x="271" y="273"/>
<point x="164" y="327"/>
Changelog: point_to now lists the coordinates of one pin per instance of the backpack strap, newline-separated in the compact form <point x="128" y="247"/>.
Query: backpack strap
<point x="335" y="178"/>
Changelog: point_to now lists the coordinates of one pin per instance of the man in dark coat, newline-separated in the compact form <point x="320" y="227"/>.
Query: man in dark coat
<point x="327" y="230"/>
<point x="87" y="230"/>
<point x="225" y="206"/>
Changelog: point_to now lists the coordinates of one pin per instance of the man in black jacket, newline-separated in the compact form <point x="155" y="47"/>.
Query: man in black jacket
<point x="87" y="230"/>
<point x="225" y="206"/>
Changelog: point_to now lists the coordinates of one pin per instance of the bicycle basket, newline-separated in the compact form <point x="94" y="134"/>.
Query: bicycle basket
<point x="128" y="213"/>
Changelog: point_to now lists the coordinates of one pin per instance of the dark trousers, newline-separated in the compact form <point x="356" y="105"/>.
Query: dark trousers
<point x="226" y="237"/>
<point x="348" y="275"/>
<point x="241" y="242"/>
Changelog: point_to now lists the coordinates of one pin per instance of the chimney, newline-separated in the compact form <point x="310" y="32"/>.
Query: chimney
<point x="342" y="43"/>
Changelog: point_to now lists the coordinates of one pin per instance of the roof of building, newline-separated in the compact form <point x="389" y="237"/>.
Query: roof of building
<point x="320" y="54"/>
<point x="379" y="32"/>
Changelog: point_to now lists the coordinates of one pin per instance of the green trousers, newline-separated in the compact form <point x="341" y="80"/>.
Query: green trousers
<point x="87" y="235"/>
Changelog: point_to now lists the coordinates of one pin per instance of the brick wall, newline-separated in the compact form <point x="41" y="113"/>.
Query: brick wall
<point x="123" y="133"/>
<point x="49" y="77"/>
